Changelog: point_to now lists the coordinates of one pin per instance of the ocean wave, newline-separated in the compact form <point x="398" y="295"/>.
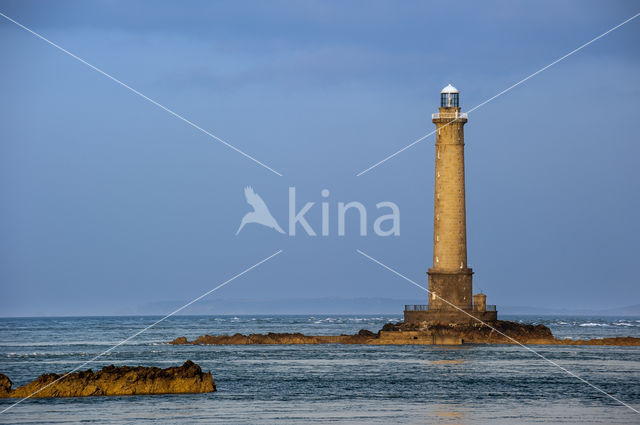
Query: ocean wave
<point x="46" y="354"/>
<point x="346" y="320"/>
<point x="590" y="324"/>
<point x="75" y="343"/>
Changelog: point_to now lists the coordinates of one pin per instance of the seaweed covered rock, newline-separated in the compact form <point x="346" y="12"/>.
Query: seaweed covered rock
<point x="366" y="333"/>
<point x="5" y="385"/>
<point x="112" y="380"/>
<point x="362" y="337"/>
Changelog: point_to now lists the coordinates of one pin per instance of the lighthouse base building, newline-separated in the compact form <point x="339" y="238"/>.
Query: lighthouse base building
<point x="450" y="280"/>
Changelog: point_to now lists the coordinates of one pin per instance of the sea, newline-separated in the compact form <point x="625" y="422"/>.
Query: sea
<point x="335" y="384"/>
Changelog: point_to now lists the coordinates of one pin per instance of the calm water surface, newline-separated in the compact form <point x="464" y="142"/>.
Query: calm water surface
<point x="328" y="383"/>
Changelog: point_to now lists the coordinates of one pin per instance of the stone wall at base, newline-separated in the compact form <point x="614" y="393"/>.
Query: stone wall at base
<point x="453" y="286"/>
<point x="452" y="316"/>
<point x="418" y="338"/>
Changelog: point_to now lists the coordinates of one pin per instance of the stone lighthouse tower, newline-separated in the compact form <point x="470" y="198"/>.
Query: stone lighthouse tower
<point x="450" y="277"/>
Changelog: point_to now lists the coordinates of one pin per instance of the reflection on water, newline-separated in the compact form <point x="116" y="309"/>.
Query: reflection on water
<point x="450" y="414"/>
<point x="445" y="362"/>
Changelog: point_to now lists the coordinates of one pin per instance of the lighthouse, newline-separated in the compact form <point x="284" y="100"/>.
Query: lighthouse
<point x="451" y="298"/>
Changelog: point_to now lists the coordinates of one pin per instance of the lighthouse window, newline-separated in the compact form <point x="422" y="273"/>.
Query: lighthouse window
<point x="449" y="100"/>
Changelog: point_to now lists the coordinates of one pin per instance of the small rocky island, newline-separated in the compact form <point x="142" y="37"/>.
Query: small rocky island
<point x="115" y="381"/>
<point x="426" y="334"/>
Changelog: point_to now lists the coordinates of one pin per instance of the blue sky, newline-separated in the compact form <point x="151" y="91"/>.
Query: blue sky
<point x="110" y="203"/>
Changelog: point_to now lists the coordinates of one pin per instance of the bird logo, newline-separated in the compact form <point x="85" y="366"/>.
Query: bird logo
<point x="260" y="213"/>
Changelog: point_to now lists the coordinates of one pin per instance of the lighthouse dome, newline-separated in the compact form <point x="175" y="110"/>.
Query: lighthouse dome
<point x="449" y="89"/>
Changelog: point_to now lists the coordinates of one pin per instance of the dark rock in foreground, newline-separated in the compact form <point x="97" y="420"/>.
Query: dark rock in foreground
<point x="112" y="380"/>
<point x="403" y="334"/>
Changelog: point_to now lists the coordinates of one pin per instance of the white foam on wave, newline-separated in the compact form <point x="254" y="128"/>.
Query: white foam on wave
<point x="363" y="319"/>
<point x="45" y="354"/>
<point x="590" y="324"/>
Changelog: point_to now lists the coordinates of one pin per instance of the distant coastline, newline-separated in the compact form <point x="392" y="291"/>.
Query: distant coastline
<point x="320" y="306"/>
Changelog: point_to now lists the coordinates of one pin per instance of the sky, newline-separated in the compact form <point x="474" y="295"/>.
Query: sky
<point x="110" y="203"/>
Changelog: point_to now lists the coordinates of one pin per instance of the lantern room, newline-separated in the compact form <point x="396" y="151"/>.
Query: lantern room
<point x="449" y="97"/>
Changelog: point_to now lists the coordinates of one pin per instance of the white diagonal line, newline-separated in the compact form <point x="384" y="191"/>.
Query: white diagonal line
<point x="175" y="114"/>
<point x="503" y="92"/>
<point x="146" y="329"/>
<point x="497" y="331"/>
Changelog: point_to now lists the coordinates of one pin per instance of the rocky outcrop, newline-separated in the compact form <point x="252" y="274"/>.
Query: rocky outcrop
<point x="112" y="380"/>
<point x="477" y="333"/>
<point x="277" y="338"/>
<point x="619" y="341"/>
<point x="403" y="333"/>
<point x="5" y="386"/>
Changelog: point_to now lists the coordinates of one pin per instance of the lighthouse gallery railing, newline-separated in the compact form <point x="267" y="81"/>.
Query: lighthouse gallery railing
<point x="425" y="307"/>
<point x="449" y="115"/>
